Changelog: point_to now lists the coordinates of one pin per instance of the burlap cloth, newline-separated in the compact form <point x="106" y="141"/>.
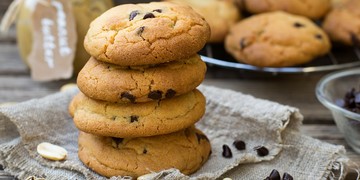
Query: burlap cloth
<point x="229" y="116"/>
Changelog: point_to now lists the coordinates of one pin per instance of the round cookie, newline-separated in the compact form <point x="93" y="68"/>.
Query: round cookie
<point x="186" y="150"/>
<point x="314" y="9"/>
<point x="276" y="39"/>
<point x="137" y="120"/>
<point x="343" y="23"/>
<point x="220" y="14"/>
<point x="108" y="82"/>
<point x="143" y="34"/>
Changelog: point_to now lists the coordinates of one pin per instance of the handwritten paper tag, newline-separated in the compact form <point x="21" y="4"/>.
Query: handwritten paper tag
<point x="54" y="40"/>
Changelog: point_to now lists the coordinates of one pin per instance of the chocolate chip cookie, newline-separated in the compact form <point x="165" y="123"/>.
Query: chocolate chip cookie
<point x="276" y="39"/>
<point x="185" y="150"/>
<point x="143" y="34"/>
<point x="220" y="14"/>
<point x="314" y="9"/>
<point x="108" y="82"/>
<point x="137" y="120"/>
<point x="343" y="23"/>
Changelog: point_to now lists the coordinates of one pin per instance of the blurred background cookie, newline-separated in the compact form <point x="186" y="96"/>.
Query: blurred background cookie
<point x="314" y="9"/>
<point x="343" y="23"/>
<point x="276" y="39"/>
<point x="220" y="14"/>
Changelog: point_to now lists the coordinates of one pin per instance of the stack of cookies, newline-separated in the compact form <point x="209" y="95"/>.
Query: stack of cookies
<point x="138" y="102"/>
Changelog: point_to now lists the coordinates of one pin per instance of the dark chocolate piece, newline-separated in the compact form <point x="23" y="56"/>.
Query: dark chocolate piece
<point x="287" y="176"/>
<point x="239" y="145"/>
<point x="318" y="36"/>
<point x="226" y="151"/>
<point x="298" y="25"/>
<point x="155" y="95"/>
<point x="200" y="137"/>
<point x="128" y="96"/>
<point x="117" y="140"/>
<point x="134" y="118"/>
<point x="157" y="10"/>
<point x="113" y="118"/>
<point x="133" y="14"/>
<point x="140" y="30"/>
<point x="144" y="151"/>
<point x="149" y="15"/>
<point x="170" y="93"/>
<point x="261" y="150"/>
<point x="274" y="175"/>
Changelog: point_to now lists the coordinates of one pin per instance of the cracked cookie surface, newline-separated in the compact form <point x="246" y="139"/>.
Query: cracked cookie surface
<point x="137" y="120"/>
<point x="143" y="34"/>
<point x="276" y="39"/>
<point x="220" y="14"/>
<point x="314" y="9"/>
<point x="343" y="23"/>
<point x="108" y="82"/>
<point x="185" y="150"/>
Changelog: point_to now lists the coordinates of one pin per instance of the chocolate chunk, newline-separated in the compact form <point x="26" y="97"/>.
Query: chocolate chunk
<point x="287" y="176"/>
<point x="351" y="101"/>
<point x="149" y="15"/>
<point x="155" y="95"/>
<point x="144" y="151"/>
<point x="242" y="43"/>
<point x="200" y="137"/>
<point x="117" y="140"/>
<point x="226" y="151"/>
<point x="298" y="25"/>
<point x="274" y="175"/>
<point x="261" y="150"/>
<point x="240" y="145"/>
<point x="134" y="118"/>
<point x="355" y="40"/>
<point x="133" y="14"/>
<point x="170" y="93"/>
<point x="318" y="36"/>
<point x="140" y="30"/>
<point x="128" y="96"/>
<point x="157" y="10"/>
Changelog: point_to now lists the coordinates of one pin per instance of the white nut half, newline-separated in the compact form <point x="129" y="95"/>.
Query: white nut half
<point x="51" y="151"/>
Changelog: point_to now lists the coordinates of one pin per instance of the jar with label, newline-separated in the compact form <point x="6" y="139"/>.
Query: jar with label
<point x="50" y="35"/>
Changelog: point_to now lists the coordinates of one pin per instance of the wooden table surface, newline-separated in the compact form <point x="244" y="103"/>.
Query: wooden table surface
<point x="294" y="90"/>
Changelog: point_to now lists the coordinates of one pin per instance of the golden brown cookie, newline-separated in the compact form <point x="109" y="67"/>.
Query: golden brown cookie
<point x="276" y="39"/>
<point x="220" y="14"/>
<point x="108" y="82"/>
<point x="314" y="9"/>
<point x="343" y="23"/>
<point x="137" y="120"/>
<point x="143" y="34"/>
<point x="186" y="150"/>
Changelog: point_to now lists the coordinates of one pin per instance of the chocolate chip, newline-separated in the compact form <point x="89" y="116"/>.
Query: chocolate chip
<point x="200" y="137"/>
<point x="170" y="93"/>
<point x="117" y="140"/>
<point x="133" y="14"/>
<point x="155" y="95"/>
<point x="144" y="151"/>
<point x="140" y="30"/>
<point x="274" y="175"/>
<point x="149" y="15"/>
<point x="318" y="36"/>
<point x="113" y="118"/>
<point x="261" y="150"/>
<point x="128" y="96"/>
<point x="355" y="40"/>
<point x="242" y="43"/>
<point x="134" y="118"/>
<point x="157" y="10"/>
<point x="239" y="145"/>
<point x="298" y="25"/>
<point x="226" y="151"/>
<point x="287" y="176"/>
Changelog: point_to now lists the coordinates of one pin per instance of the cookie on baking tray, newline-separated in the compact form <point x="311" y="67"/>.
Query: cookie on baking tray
<point x="276" y="39"/>
<point x="220" y="14"/>
<point x="112" y="83"/>
<point x="185" y="150"/>
<point x="343" y="23"/>
<point x="143" y="34"/>
<point x="137" y="120"/>
<point x="313" y="9"/>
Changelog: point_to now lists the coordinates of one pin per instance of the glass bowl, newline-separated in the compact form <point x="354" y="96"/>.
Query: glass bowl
<point x="332" y="88"/>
